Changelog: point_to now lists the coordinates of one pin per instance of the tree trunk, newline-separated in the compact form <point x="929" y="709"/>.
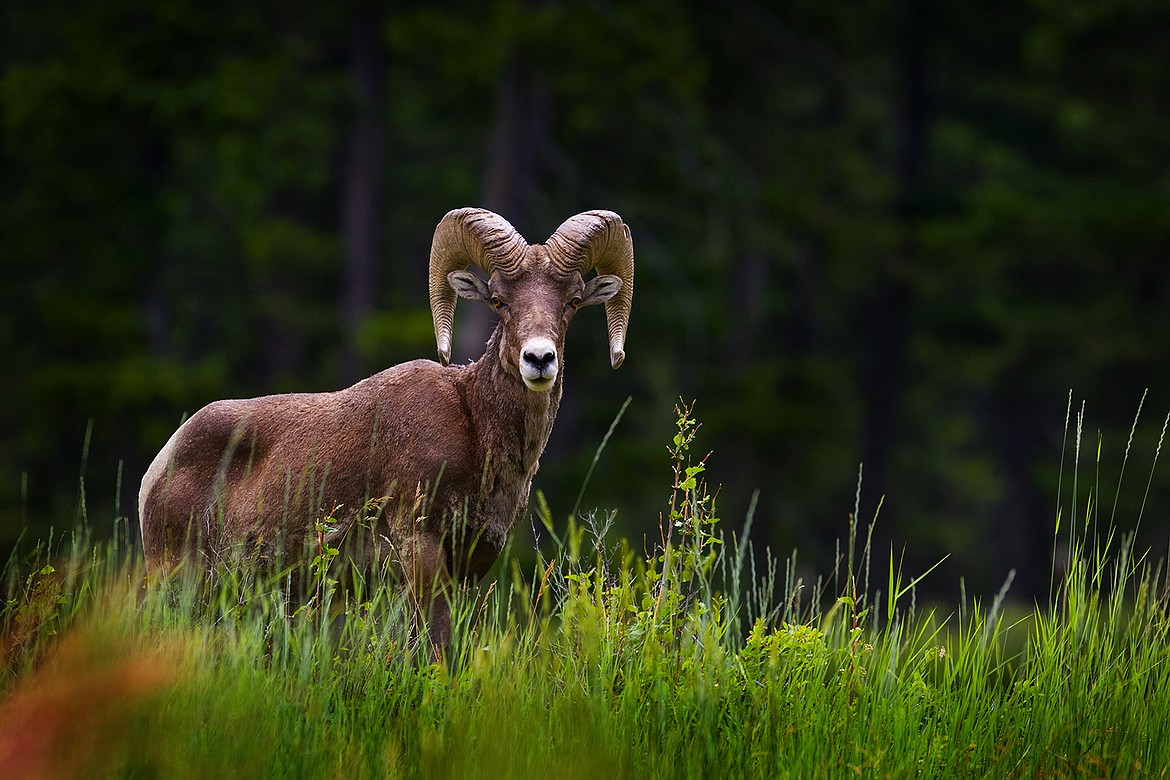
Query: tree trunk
<point x="885" y="315"/>
<point x="519" y="135"/>
<point x="360" y="198"/>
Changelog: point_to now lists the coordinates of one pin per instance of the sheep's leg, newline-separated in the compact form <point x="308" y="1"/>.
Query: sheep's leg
<point x="424" y="568"/>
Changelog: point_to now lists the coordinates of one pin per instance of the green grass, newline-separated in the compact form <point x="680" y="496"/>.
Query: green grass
<point x="599" y="660"/>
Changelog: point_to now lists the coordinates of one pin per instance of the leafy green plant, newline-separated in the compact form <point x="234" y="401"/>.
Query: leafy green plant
<point x="322" y="560"/>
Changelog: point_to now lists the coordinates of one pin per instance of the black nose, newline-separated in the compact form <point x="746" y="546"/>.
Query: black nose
<point x="540" y="360"/>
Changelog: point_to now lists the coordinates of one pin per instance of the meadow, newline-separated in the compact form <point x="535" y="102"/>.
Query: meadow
<point x="698" y="656"/>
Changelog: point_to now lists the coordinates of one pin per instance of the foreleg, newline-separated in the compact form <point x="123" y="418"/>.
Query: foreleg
<point x="428" y="582"/>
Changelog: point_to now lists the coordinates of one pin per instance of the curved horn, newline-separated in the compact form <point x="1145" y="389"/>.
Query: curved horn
<point x="467" y="237"/>
<point x="599" y="239"/>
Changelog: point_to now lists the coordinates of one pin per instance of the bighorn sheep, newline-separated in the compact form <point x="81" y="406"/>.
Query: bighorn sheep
<point x="446" y="454"/>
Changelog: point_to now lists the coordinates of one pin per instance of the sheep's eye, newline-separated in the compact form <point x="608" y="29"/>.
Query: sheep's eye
<point x="496" y="303"/>
<point x="575" y="301"/>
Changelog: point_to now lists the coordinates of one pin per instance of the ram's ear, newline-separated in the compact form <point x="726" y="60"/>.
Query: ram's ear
<point x="600" y="289"/>
<point x="468" y="285"/>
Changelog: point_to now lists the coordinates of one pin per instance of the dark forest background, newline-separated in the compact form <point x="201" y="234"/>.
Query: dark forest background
<point x="904" y="234"/>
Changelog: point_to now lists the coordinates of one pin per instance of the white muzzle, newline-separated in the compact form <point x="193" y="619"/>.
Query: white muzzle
<point x="538" y="364"/>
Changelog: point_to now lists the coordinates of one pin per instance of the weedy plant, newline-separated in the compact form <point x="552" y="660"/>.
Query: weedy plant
<point x="699" y="657"/>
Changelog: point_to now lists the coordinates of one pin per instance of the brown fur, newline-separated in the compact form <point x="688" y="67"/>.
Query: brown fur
<point x="450" y="451"/>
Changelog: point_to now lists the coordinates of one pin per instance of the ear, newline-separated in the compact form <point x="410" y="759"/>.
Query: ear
<point x="600" y="289"/>
<point x="468" y="285"/>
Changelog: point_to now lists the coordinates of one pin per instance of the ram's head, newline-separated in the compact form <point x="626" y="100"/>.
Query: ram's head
<point x="534" y="289"/>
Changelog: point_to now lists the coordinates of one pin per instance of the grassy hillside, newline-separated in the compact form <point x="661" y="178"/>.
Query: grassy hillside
<point x="695" y="659"/>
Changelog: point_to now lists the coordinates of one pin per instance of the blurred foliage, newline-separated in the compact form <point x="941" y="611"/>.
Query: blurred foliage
<point x="887" y="233"/>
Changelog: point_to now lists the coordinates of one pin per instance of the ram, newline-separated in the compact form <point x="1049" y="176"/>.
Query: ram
<point x="437" y="460"/>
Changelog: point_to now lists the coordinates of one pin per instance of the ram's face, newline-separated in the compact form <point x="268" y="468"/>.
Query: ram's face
<point x="535" y="310"/>
<point x="535" y="307"/>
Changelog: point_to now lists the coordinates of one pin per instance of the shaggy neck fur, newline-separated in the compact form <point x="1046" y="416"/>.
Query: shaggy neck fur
<point x="512" y="435"/>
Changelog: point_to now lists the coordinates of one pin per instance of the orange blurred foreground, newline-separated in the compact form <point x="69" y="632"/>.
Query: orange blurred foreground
<point x="68" y="719"/>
